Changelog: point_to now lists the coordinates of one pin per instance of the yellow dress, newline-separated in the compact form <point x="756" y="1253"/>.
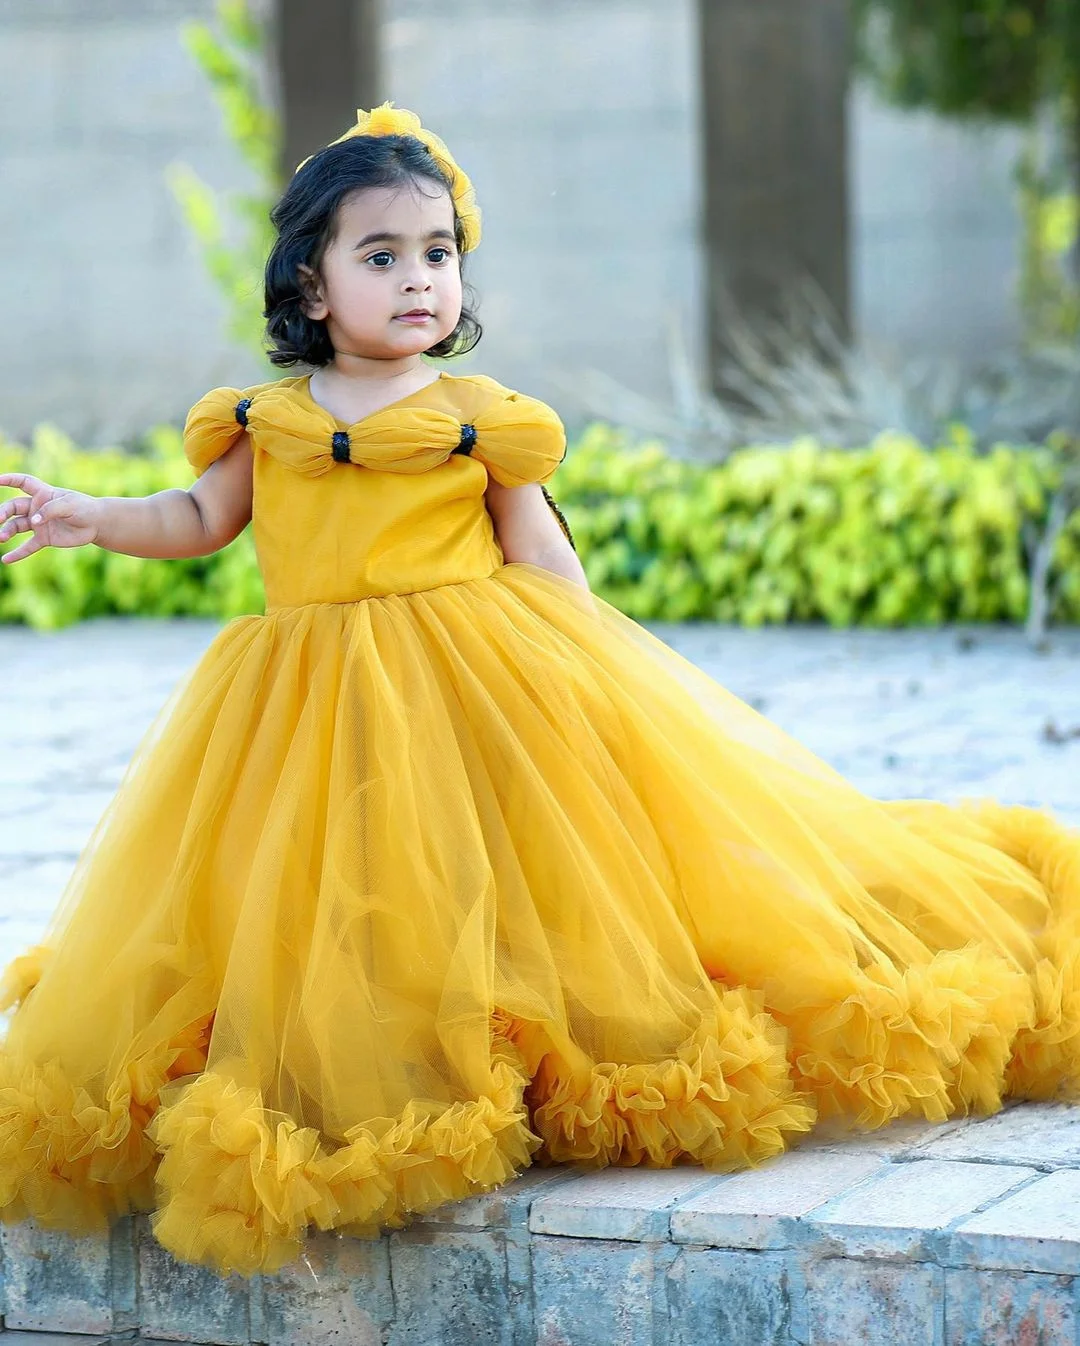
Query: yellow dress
<point x="443" y="866"/>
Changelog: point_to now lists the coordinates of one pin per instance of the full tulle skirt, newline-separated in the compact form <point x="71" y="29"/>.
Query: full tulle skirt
<point x="401" y="896"/>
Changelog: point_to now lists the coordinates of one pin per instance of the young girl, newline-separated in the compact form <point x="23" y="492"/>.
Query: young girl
<point x="443" y="866"/>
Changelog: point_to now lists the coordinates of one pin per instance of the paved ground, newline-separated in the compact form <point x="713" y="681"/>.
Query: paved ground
<point x="940" y="714"/>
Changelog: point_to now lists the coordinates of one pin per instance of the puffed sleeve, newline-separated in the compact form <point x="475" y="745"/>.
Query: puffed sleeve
<point x="213" y="426"/>
<point x="519" y="440"/>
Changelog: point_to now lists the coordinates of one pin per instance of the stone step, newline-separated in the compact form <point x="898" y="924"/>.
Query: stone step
<point x="964" y="1234"/>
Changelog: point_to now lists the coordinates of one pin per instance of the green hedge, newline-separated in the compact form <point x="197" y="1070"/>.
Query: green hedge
<point x="890" y="535"/>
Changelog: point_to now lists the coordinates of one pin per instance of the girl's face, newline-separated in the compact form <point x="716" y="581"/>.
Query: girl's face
<point x="389" y="285"/>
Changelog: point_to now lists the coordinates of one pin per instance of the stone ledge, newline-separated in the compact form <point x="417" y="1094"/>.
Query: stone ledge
<point x="966" y="1234"/>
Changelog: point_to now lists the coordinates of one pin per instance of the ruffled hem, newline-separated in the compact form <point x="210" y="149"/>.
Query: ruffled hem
<point x="238" y="1184"/>
<point x="1046" y="1055"/>
<point x="725" y="1100"/>
<point x="234" y="1185"/>
<point x="928" y="1041"/>
<point x="68" y="1161"/>
<point x="73" y="1163"/>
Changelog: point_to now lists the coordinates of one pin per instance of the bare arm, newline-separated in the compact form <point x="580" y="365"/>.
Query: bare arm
<point x="528" y="530"/>
<point x="172" y="523"/>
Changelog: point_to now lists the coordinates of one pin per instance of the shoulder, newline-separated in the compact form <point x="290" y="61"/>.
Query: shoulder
<point x="519" y="438"/>
<point x="476" y="394"/>
<point x="220" y="417"/>
<point x="483" y="385"/>
<point x="228" y="403"/>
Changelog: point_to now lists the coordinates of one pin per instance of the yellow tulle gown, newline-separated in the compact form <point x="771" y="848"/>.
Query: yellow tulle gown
<point x="443" y="867"/>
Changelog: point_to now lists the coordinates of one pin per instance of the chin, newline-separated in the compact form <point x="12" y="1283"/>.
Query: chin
<point x="416" y="340"/>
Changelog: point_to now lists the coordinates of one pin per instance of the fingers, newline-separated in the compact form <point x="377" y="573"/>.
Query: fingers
<point x="17" y="523"/>
<point x="27" y="548"/>
<point x="18" y="504"/>
<point x="23" y="481"/>
<point x="15" y="511"/>
<point x="23" y="516"/>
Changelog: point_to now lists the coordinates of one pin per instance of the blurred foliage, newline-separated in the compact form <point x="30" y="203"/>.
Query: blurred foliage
<point x="892" y="534"/>
<point x="999" y="59"/>
<point x="233" y="228"/>
<point x="1004" y="60"/>
<point x="1048" y="292"/>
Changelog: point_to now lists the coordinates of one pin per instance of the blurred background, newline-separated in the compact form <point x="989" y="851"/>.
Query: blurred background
<point x="635" y="159"/>
<point x="709" y="224"/>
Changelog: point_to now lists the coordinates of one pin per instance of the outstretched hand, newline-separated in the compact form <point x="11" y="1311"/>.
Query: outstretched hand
<point x="54" y="517"/>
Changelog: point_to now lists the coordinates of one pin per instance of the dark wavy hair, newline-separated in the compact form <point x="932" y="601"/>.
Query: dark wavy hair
<point x="306" y="221"/>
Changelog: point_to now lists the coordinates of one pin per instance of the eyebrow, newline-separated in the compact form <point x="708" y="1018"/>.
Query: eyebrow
<point x="398" y="238"/>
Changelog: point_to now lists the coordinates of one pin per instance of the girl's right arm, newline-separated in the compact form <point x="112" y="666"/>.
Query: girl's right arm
<point x="172" y="523"/>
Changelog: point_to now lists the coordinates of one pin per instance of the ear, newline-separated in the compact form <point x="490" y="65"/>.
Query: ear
<point x="313" y="303"/>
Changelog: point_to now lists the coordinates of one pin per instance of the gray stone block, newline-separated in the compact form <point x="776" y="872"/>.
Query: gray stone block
<point x="598" y="1292"/>
<point x="506" y="1207"/>
<point x="337" y="1293"/>
<point x="1043" y="1134"/>
<point x="182" y="1302"/>
<point x="899" y="1140"/>
<point x="873" y="1304"/>
<point x="618" y="1203"/>
<point x="1035" y="1229"/>
<point x="57" y="1282"/>
<point x="56" y="1339"/>
<point x="718" y="1296"/>
<point x="1003" y="1308"/>
<point x="760" y="1208"/>
<point x="452" y="1287"/>
<point x="900" y="1212"/>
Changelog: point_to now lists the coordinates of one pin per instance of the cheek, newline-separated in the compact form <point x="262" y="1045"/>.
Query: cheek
<point x="358" y="289"/>
<point x="451" y="285"/>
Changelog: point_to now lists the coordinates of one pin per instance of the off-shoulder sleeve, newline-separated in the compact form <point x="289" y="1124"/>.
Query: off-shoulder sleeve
<point x="212" y="427"/>
<point x="519" y="440"/>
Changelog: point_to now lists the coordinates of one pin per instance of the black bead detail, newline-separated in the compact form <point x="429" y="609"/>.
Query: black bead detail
<point x="559" y="515"/>
<point x="468" y="439"/>
<point x="242" y="410"/>
<point x="340" y="444"/>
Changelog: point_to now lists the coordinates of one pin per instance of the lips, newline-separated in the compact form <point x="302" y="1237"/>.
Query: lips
<point x="417" y="313"/>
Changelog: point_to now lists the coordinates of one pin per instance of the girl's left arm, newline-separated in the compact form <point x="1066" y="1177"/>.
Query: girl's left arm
<point x="527" y="530"/>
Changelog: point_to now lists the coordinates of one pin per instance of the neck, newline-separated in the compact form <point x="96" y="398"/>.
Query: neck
<point x="364" y="370"/>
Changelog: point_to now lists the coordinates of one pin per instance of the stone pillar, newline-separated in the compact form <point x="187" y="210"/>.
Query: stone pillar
<point x="328" y="66"/>
<point x="774" y="77"/>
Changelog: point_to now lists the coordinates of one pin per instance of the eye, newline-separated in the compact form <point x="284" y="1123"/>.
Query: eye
<point x="444" y="255"/>
<point x="381" y="265"/>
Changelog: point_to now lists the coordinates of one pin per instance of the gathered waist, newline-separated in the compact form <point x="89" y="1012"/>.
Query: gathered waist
<point x="279" y="609"/>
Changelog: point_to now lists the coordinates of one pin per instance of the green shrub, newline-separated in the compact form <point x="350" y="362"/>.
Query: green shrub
<point x="890" y="535"/>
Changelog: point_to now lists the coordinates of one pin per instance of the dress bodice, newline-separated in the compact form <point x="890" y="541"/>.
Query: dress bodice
<point x="393" y="503"/>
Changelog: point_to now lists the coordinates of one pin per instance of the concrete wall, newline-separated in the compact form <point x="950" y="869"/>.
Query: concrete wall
<point x="575" y="118"/>
<point x="935" y="246"/>
<point x="110" y="322"/>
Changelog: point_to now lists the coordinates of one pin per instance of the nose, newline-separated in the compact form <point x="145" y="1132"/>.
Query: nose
<point x="416" y="279"/>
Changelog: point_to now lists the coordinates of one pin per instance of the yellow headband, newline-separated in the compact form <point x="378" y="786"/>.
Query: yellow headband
<point x="387" y="120"/>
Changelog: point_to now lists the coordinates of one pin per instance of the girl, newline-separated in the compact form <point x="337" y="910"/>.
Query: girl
<point x="443" y="866"/>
